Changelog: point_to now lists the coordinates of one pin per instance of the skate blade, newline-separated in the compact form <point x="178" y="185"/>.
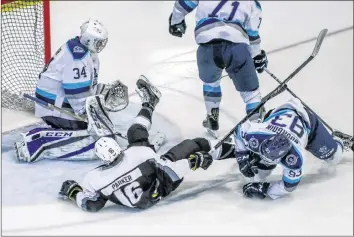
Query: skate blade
<point x="213" y="133"/>
<point x="348" y="140"/>
<point x="153" y="88"/>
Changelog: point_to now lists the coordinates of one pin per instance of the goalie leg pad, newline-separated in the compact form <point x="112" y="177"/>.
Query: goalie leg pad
<point x="98" y="119"/>
<point x="61" y="123"/>
<point x="46" y="143"/>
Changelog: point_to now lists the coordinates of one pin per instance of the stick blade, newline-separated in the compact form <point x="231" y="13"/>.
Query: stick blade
<point x="319" y="41"/>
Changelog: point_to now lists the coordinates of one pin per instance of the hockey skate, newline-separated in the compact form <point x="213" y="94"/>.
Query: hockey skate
<point x="211" y="123"/>
<point x="148" y="92"/>
<point x="348" y="141"/>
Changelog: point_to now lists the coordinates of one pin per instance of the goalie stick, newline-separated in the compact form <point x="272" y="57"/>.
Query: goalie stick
<point x="64" y="111"/>
<point x="279" y="89"/>
<point x="334" y="131"/>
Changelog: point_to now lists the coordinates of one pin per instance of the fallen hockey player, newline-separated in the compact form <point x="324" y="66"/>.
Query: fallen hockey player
<point x="138" y="177"/>
<point x="282" y="138"/>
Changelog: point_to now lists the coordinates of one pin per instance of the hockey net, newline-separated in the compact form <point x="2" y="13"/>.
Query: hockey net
<point x="25" y="48"/>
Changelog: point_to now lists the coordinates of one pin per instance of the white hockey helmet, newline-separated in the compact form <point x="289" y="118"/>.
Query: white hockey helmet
<point x="94" y="35"/>
<point x="107" y="149"/>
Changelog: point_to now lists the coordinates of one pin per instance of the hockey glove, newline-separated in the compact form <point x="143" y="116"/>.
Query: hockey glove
<point x="177" y="29"/>
<point x="200" y="159"/>
<point x="246" y="163"/>
<point x="260" y="61"/>
<point x="69" y="189"/>
<point x="256" y="190"/>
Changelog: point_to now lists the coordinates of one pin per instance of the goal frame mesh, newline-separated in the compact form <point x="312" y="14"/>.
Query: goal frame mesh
<point x="12" y="99"/>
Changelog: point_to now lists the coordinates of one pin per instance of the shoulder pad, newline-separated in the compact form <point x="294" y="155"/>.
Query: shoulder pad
<point x="77" y="50"/>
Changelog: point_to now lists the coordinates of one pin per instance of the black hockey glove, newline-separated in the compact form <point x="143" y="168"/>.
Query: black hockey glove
<point x="177" y="29"/>
<point x="260" y="61"/>
<point x="69" y="189"/>
<point x="200" y="159"/>
<point x="256" y="190"/>
<point x="247" y="163"/>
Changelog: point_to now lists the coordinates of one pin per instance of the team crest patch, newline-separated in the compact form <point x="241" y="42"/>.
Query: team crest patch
<point x="78" y="49"/>
<point x="291" y="159"/>
<point x="323" y="149"/>
<point x="254" y="143"/>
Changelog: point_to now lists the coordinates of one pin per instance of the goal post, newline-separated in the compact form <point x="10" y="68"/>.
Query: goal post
<point x="25" y="48"/>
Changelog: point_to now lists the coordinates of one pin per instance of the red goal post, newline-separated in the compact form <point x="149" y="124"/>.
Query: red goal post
<point x="25" y="48"/>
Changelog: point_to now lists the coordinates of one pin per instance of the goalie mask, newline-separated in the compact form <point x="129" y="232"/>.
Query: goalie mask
<point x="94" y="35"/>
<point x="108" y="150"/>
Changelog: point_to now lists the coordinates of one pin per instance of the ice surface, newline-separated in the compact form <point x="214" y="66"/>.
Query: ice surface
<point x="207" y="202"/>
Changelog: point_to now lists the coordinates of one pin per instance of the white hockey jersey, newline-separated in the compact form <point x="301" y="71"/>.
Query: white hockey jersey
<point x="293" y="121"/>
<point x="68" y="79"/>
<point x="139" y="180"/>
<point x="235" y="21"/>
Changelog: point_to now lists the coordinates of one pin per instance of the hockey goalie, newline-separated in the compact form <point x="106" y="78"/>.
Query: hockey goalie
<point x="70" y="83"/>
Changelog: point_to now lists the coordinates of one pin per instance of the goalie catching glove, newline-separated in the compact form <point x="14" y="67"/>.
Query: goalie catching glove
<point x="200" y="159"/>
<point x="115" y="95"/>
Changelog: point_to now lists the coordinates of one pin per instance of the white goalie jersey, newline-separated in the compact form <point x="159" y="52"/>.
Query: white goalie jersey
<point x="68" y="79"/>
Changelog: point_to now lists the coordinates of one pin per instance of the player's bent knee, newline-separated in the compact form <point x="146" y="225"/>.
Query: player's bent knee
<point x="137" y="133"/>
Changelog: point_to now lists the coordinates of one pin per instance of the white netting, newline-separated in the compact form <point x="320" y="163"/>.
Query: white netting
<point x="22" y="51"/>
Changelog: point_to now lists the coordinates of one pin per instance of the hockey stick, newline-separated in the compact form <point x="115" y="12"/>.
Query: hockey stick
<point x="293" y="94"/>
<point x="52" y="107"/>
<point x="334" y="131"/>
<point x="278" y="89"/>
<point x="64" y="111"/>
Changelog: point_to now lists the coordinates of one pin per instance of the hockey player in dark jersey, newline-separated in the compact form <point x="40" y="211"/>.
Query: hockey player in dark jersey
<point x="137" y="176"/>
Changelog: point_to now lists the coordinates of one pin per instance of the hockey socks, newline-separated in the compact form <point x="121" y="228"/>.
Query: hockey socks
<point x="144" y="116"/>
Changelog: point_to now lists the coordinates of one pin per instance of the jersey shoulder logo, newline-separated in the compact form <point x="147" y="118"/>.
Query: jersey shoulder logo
<point x="77" y="50"/>
<point x="291" y="159"/>
<point x="254" y="143"/>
